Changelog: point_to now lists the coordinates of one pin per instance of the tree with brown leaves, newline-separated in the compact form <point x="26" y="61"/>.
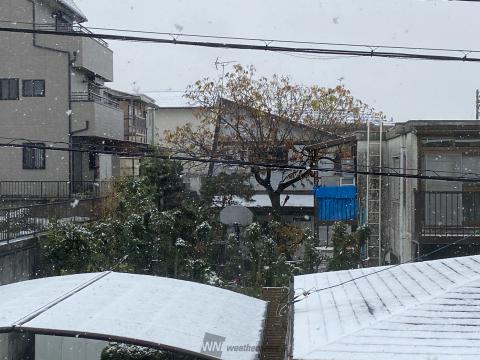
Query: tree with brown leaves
<point x="266" y="120"/>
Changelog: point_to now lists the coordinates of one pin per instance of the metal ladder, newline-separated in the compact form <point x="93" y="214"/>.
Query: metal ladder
<point x="373" y="198"/>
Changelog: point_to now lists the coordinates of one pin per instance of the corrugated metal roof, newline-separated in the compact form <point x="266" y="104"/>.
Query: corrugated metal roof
<point x="428" y="310"/>
<point x="143" y="310"/>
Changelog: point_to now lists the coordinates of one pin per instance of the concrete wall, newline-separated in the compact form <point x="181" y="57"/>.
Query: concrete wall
<point x="18" y="262"/>
<point x="88" y="54"/>
<point x="104" y="121"/>
<point x="398" y="202"/>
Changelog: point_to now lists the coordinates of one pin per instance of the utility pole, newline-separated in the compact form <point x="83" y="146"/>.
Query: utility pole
<point x="477" y="104"/>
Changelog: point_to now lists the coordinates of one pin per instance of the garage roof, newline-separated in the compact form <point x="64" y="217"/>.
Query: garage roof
<point x="427" y="310"/>
<point x="144" y="310"/>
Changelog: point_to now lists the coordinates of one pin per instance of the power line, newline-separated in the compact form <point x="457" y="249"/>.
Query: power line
<point x="126" y="148"/>
<point x="238" y="46"/>
<point x="240" y="163"/>
<point x="263" y="40"/>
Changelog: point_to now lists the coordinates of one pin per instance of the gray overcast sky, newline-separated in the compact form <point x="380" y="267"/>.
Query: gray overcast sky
<point x="403" y="89"/>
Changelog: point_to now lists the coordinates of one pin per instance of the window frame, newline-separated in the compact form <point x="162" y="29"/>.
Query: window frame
<point x="17" y="80"/>
<point x="30" y="149"/>
<point x="33" y="81"/>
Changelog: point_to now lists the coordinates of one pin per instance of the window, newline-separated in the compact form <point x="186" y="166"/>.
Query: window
<point x="8" y="89"/>
<point x="92" y="160"/>
<point x="34" y="156"/>
<point x="33" y="88"/>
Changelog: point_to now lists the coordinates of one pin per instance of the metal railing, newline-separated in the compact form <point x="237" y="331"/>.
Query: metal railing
<point x="448" y="213"/>
<point x="90" y="96"/>
<point x="70" y="28"/>
<point x="53" y="189"/>
<point x="80" y="28"/>
<point x="135" y="131"/>
<point x="136" y="120"/>
<point x="30" y="220"/>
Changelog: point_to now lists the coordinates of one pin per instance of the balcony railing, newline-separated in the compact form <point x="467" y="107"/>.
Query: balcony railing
<point x="136" y="121"/>
<point x="30" y="220"/>
<point x="448" y="213"/>
<point x="31" y="190"/>
<point x="70" y="28"/>
<point x="91" y="96"/>
<point x="80" y="28"/>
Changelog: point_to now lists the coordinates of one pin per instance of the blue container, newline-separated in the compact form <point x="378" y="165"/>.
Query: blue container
<point x="336" y="203"/>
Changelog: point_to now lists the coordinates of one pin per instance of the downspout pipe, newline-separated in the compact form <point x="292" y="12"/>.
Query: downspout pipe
<point x="69" y="77"/>
<point x="403" y="152"/>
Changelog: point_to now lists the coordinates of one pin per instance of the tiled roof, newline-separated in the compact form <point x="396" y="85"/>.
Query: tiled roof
<point x="422" y="311"/>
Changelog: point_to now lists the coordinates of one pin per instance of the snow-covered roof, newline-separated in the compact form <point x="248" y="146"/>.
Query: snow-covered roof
<point x="70" y="4"/>
<point x="173" y="100"/>
<point x="422" y="311"/>
<point x="143" y="310"/>
<point x="262" y="200"/>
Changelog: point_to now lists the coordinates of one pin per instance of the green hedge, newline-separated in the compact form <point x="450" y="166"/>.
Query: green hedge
<point x="131" y="352"/>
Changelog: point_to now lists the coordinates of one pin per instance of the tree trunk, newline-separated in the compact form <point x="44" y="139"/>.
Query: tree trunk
<point x="275" y="200"/>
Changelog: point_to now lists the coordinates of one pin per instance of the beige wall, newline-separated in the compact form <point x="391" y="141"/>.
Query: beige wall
<point x="170" y="119"/>
<point x="42" y="118"/>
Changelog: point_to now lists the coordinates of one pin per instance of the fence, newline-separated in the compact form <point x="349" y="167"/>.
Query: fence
<point x="90" y="96"/>
<point x="30" y="220"/>
<point x="53" y="189"/>
<point x="449" y="213"/>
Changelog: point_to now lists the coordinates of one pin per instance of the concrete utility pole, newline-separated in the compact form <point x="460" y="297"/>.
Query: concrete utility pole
<point x="477" y="105"/>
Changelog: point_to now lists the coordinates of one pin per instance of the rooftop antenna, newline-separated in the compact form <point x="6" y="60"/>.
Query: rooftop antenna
<point x="223" y="64"/>
<point x="217" y="63"/>
<point x="135" y="88"/>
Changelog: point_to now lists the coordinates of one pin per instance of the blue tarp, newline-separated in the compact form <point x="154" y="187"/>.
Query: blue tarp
<point x="336" y="203"/>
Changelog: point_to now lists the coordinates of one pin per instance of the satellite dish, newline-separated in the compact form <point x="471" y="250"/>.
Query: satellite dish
<point x="236" y="214"/>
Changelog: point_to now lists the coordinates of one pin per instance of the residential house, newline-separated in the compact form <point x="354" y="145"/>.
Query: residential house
<point x="297" y="200"/>
<point x="53" y="93"/>
<point x="420" y="214"/>
<point x="174" y="111"/>
<point x="408" y="216"/>
<point x="138" y="114"/>
<point x="423" y="310"/>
